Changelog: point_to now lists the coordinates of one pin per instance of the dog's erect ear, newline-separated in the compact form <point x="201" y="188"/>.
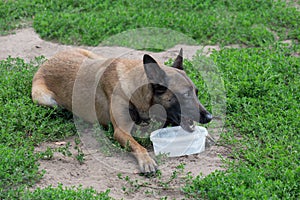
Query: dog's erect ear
<point x="178" y="63"/>
<point x="153" y="71"/>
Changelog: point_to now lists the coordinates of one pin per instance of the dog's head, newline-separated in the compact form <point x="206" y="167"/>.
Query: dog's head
<point x="175" y="91"/>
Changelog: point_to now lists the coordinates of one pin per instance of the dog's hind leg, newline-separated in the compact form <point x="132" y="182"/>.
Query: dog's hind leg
<point x="41" y="94"/>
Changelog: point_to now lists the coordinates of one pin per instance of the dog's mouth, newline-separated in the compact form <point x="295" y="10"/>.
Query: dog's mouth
<point x="187" y="124"/>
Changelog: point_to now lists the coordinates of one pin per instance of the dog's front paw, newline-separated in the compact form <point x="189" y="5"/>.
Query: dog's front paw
<point x="147" y="164"/>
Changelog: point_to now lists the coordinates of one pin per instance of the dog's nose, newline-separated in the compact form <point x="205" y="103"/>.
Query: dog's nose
<point x="205" y="118"/>
<point x="208" y="117"/>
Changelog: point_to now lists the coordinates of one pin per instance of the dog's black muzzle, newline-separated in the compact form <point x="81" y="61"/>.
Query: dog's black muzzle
<point x="205" y="118"/>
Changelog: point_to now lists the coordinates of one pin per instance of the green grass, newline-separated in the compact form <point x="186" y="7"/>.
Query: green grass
<point x="61" y="192"/>
<point x="263" y="96"/>
<point x="22" y="121"/>
<point x="24" y="125"/>
<point x="262" y="85"/>
<point x="17" y="167"/>
<point x="254" y="23"/>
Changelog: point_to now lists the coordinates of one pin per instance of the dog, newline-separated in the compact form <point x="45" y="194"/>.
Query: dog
<point x="122" y="92"/>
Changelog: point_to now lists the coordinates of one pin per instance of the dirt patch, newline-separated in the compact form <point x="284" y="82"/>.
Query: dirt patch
<point x="26" y="44"/>
<point x="99" y="170"/>
<point x="103" y="172"/>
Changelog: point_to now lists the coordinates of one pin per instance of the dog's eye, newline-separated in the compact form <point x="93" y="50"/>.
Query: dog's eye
<point x="159" y="89"/>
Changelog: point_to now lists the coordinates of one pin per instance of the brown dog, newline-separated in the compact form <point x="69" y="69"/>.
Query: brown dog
<point x="120" y="91"/>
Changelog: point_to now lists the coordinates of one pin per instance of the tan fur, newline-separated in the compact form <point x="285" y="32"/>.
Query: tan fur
<point x="99" y="83"/>
<point x="98" y="89"/>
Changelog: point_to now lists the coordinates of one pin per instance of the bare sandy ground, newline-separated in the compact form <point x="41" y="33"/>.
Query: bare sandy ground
<point x="99" y="170"/>
<point x="26" y="44"/>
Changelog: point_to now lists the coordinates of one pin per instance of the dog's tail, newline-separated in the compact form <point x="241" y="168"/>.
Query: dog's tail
<point x="40" y="93"/>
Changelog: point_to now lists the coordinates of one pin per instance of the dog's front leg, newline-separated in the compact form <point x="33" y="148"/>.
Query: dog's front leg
<point x="123" y="124"/>
<point x="146" y="163"/>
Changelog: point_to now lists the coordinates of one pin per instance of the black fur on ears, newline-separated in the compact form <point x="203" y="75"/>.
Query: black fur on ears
<point x="178" y="63"/>
<point x="154" y="72"/>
